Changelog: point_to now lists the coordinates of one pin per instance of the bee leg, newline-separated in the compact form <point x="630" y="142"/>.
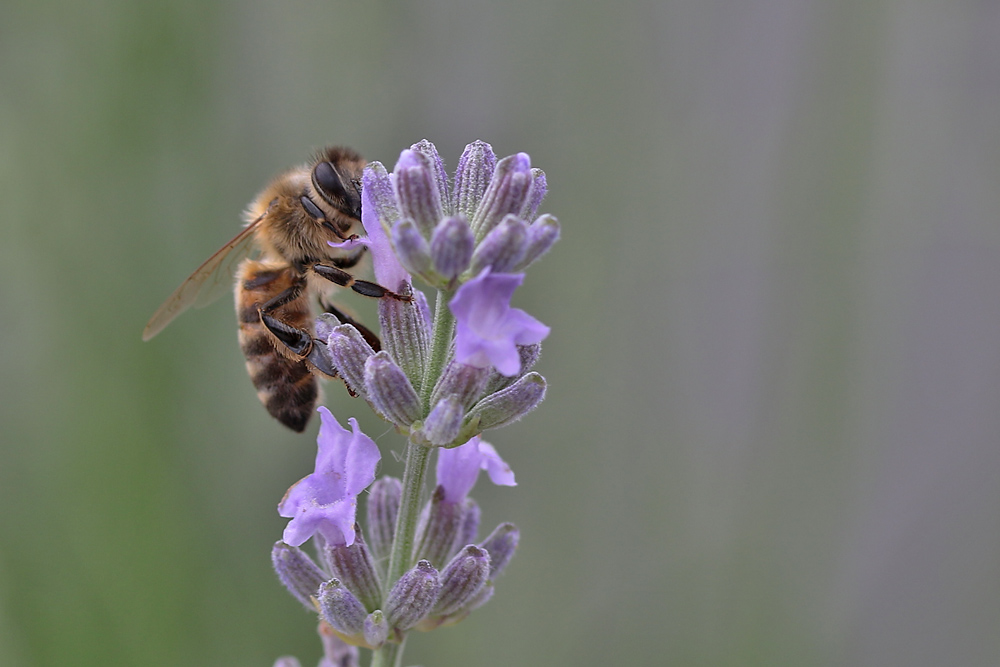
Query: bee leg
<point x="298" y="341"/>
<point x="363" y="287"/>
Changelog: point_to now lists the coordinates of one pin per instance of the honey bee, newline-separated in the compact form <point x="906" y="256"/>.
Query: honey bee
<point x="284" y="259"/>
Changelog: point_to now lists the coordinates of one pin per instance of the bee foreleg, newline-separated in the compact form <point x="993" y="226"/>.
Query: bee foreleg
<point x="363" y="287"/>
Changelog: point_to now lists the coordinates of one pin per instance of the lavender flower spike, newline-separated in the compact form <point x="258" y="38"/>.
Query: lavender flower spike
<point x="489" y="330"/>
<point x="326" y="502"/>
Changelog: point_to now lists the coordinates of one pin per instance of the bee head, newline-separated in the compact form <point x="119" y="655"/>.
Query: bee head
<point x="336" y="177"/>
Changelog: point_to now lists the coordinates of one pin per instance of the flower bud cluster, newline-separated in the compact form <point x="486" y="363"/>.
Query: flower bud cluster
<point x="446" y="583"/>
<point x="487" y="219"/>
<point x="467" y="238"/>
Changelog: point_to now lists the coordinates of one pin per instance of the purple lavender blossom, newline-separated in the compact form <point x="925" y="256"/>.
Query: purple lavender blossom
<point x="488" y="329"/>
<point x="458" y="468"/>
<point x="325" y="502"/>
<point x="388" y="271"/>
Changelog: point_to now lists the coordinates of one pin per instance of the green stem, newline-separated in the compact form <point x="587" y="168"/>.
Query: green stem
<point x="417" y="462"/>
<point x="444" y="326"/>
<point x="390" y="655"/>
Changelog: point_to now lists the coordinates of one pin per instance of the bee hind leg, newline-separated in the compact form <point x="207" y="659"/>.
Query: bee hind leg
<point x="298" y="341"/>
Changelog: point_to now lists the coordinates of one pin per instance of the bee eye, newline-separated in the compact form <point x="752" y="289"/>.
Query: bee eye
<point x="341" y="193"/>
<point x="311" y="208"/>
<point x="329" y="181"/>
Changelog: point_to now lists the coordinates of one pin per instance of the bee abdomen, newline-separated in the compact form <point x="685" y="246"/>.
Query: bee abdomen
<point x="286" y="387"/>
<point x="284" y="384"/>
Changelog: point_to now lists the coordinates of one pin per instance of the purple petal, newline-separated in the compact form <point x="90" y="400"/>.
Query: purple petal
<point x="388" y="271"/>
<point x="458" y="468"/>
<point x="488" y="330"/>
<point x="498" y="470"/>
<point x="325" y="502"/>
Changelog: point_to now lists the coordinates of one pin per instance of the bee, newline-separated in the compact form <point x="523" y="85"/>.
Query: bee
<point x="281" y="259"/>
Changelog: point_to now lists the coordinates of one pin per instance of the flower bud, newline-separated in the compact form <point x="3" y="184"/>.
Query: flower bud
<point x="406" y="332"/>
<point x="412" y="597"/>
<point x="507" y="405"/>
<point x="349" y="352"/>
<point x="444" y="422"/>
<point x="300" y="575"/>
<point x="506" y="193"/>
<point x="539" y="186"/>
<point x="429" y="151"/>
<point x="501" y="545"/>
<point x="354" y="567"/>
<point x="411" y="248"/>
<point x="503" y="248"/>
<point x="441" y="523"/>
<point x="325" y="324"/>
<point x="417" y="191"/>
<point x="470" y="523"/>
<point x="462" y="580"/>
<point x="340" y="608"/>
<point x="467" y="383"/>
<point x="451" y="247"/>
<point x="376" y="629"/>
<point x="378" y="187"/>
<point x="389" y="390"/>
<point x="383" y="506"/>
<point x="472" y="177"/>
<point x="542" y="235"/>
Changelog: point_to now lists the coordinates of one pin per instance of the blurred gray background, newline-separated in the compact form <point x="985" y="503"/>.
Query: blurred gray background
<point x="772" y="435"/>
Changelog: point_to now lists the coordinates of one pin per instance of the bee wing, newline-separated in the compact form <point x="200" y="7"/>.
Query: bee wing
<point x="207" y="283"/>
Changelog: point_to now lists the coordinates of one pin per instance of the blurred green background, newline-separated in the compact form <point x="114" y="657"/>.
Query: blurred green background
<point x="772" y="435"/>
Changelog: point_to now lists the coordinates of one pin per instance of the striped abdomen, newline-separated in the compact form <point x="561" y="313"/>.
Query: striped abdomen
<point x="284" y="384"/>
